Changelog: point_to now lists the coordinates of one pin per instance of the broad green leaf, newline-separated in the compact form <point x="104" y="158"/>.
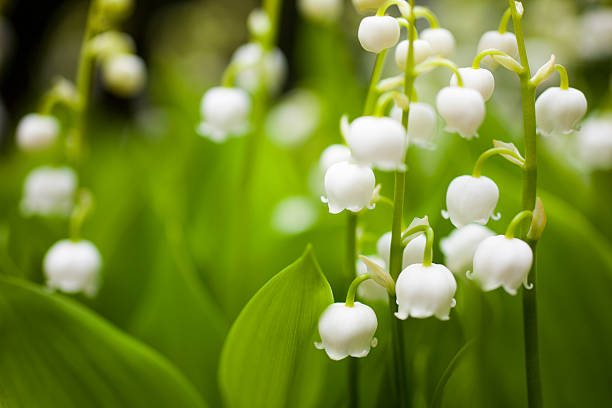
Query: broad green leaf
<point x="269" y="359"/>
<point x="54" y="353"/>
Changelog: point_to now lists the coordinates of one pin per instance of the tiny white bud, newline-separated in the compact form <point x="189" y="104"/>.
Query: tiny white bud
<point x="559" y="110"/>
<point x="370" y="290"/>
<point x="441" y="41"/>
<point x="505" y="42"/>
<point x="459" y="247"/>
<point x="479" y="79"/>
<point x="73" y="266"/>
<point x="501" y="261"/>
<point x="124" y="74"/>
<point x="325" y="11"/>
<point x="347" y="331"/>
<point x="463" y="110"/>
<point x="225" y="112"/>
<point x="37" y="132"/>
<point x="377" y="33"/>
<point x="333" y="154"/>
<point x="422" y="123"/>
<point x="380" y="142"/>
<point x="425" y="291"/>
<point x="368" y="5"/>
<point x="471" y="199"/>
<point x="257" y="65"/>
<point x="258" y="23"/>
<point x="49" y="191"/>
<point x="595" y="143"/>
<point x="422" y="51"/>
<point x="110" y="43"/>
<point x="349" y="186"/>
<point x="519" y="8"/>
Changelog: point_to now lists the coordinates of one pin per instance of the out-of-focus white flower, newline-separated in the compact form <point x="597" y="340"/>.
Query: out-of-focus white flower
<point x="595" y="38"/>
<point x="370" y="290"/>
<point x="424" y="291"/>
<point x="479" y="79"/>
<point x="422" y="123"/>
<point x="505" y="42"/>
<point x="291" y="122"/>
<point x="49" y="191"/>
<point x="462" y="109"/>
<point x="380" y="142"/>
<point x="37" y="132"/>
<point x="326" y="11"/>
<point x="441" y="40"/>
<point x="257" y="65"/>
<point x="124" y="74"/>
<point x="422" y="50"/>
<point x="501" y="261"/>
<point x="109" y="43"/>
<point x="333" y="154"/>
<point x="459" y="247"/>
<point x="294" y="215"/>
<point x="348" y="186"/>
<point x="559" y="110"/>
<point x="347" y="331"/>
<point x="471" y="199"/>
<point x="225" y="112"/>
<point x="73" y="266"/>
<point x="595" y="143"/>
<point x="258" y="23"/>
<point x="368" y="5"/>
<point x="377" y="33"/>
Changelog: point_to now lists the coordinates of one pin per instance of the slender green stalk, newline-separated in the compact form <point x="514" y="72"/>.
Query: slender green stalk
<point x="530" y="315"/>
<point x="372" y="96"/>
<point x="489" y="153"/>
<point x="351" y="244"/>
<point x="503" y="23"/>
<point x="352" y="290"/>
<point x="429" y="234"/>
<point x="516" y="221"/>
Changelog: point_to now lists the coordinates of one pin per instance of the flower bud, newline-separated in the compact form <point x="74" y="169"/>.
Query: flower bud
<point x="347" y="331"/>
<point x="73" y="266"/>
<point x="501" y="261"/>
<point x="49" y="191"/>
<point x="462" y="109"/>
<point x="595" y="143"/>
<point x="368" y="5"/>
<point x="348" y="186"/>
<point x="370" y="290"/>
<point x="258" y="65"/>
<point x="422" y="50"/>
<point x="333" y="154"/>
<point x="124" y="74"/>
<point x="37" y="132"/>
<point x="479" y="79"/>
<point x="559" y="110"/>
<point x="258" y="23"/>
<point x="441" y="41"/>
<point x="377" y="33"/>
<point x="225" y="112"/>
<point x="471" y="199"/>
<point x="422" y="123"/>
<point x="459" y="247"/>
<point x="505" y="42"/>
<point x="380" y="142"/>
<point x="413" y="252"/>
<point x="325" y="11"/>
<point x="424" y="291"/>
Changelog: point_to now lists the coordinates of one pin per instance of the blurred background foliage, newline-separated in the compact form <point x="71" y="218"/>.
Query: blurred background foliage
<point x="178" y="269"/>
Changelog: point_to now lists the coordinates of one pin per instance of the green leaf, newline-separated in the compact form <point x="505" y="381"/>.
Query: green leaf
<point x="53" y="352"/>
<point x="269" y="359"/>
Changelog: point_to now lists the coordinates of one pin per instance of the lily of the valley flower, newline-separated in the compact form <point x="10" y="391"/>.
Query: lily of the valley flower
<point x="459" y="247"/>
<point x="49" y="191"/>
<point x="422" y="50"/>
<point x="37" y="132"/>
<point x="347" y="331"/>
<point x="257" y="65"/>
<point x="413" y="252"/>
<point x="559" y="110"/>
<point x="124" y="74"/>
<point x="326" y="11"/>
<point x="462" y="109"/>
<point x="333" y="154"/>
<point x="441" y="40"/>
<point x="377" y="33"/>
<point x="422" y="123"/>
<point x="502" y="262"/>
<point x="349" y="186"/>
<point x="225" y="112"/>
<point x="471" y="199"/>
<point x="595" y="143"/>
<point x="479" y="79"/>
<point x="505" y="42"/>
<point x="73" y="266"/>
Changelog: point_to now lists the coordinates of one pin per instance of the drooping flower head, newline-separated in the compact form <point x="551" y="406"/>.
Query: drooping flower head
<point x="422" y="51"/>
<point x="257" y="65"/>
<point x="49" y="191"/>
<point x="471" y="199"/>
<point x="73" y="266"/>
<point x="225" y="112"/>
<point x="124" y="74"/>
<point x="459" y="247"/>
<point x="377" y="33"/>
<point x="37" y="132"/>
<point x="441" y="40"/>
<point x="349" y="186"/>
<point x="559" y="110"/>
<point x="479" y="79"/>
<point x="505" y="42"/>
<point x="462" y="109"/>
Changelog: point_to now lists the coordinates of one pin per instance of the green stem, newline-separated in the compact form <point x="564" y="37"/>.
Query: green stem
<point x="516" y="221"/>
<point x="352" y="290"/>
<point x="563" y="74"/>
<point x="503" y="23"/>
<point x="372" y="92"/>
<point x="351" y="244"/>
<point x="382" y="103"/>
<point x="424" y="12"/>
<point x="440" y="62"/>
<point x="530" y="316"/>
<point x="484" y="53"/>
<point x="429" y="236"/>
<point x="489" y="153"/>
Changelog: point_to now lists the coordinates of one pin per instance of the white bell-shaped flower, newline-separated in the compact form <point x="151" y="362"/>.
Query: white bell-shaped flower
<point x="124" y="74"/>
<point x="505" y="42"/>
<point x="377" y="33"/>
<point x="424" y="291"/>
<point x="225" y="112"/>
<point x="370" y="290"/>
<point x="349" y="186"/>
<point x="325" y="11"/>
<point x="471" y="199"/>
<point x="257" y="65"/>
<point x="559" y="110"/>
<point x="422" y="123"/>
<point x="462" y="109"/>
<point x="479" y="79"/>
<point x="422" y="50"/>
<point x="333" y="154"/>
<point x="501" y="261"/>
<point x="379" y="142"/>
<point x="49" y="191"/>
<point x="459" y="247"/>
<point x="73" y="266"/>
<point x="347" y="331"/>
<point x="37" y="132"/>
<point x="368" y="5"/>
<point x="441" y="40"/>
<point x="595" y="143"/>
